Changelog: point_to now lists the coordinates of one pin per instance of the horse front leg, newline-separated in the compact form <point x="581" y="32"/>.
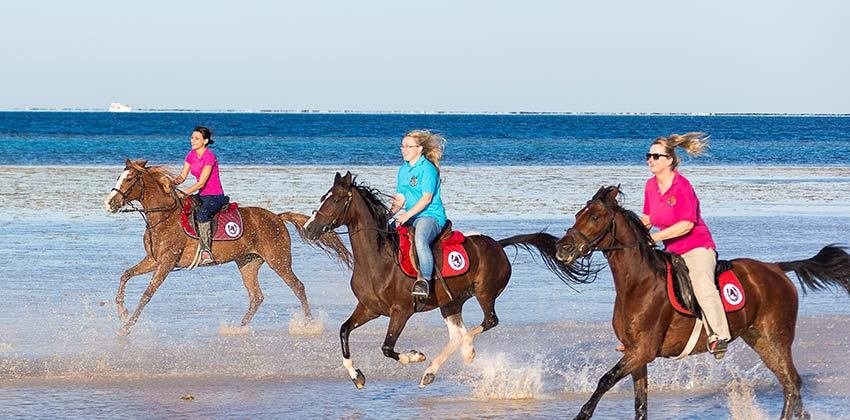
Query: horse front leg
<point x="398" y="319"/>
<point x="639" y="380"/>
<point x="625" y="366"/>
<point x="146" y="265"/>
<point x="158" y="277"/>
<point x="360" y="316"/>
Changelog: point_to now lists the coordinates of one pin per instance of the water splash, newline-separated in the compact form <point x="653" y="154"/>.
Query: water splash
<point x="500" y="380"/>
<point x="228" y="329"/>
<point x="742" y="401"/>
<point x="301" y="326"/>
<point x="5" y="346"/>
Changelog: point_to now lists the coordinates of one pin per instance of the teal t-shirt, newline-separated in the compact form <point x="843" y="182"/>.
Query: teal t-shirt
<point x="420" y="178"/>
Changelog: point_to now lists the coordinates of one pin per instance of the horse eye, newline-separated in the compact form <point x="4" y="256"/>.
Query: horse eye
<point x="595" y="218"/>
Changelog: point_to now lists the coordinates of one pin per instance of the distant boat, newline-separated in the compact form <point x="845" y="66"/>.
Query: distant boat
<point x="117" y="107"/>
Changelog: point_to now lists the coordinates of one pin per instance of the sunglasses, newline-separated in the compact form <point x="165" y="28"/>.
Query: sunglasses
<point x="655" y="156"/>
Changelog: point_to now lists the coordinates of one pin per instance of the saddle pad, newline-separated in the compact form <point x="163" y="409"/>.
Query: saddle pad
<point x="731" y="292"/>
<point x="454" y="261"/>
<point x="227" y="223"/>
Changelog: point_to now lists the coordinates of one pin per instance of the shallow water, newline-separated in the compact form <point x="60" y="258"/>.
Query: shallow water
<point x="59" y="355"/>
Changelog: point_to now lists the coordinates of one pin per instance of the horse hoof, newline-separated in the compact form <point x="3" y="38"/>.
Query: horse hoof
<point x="360" y="380"/>
<point x="412" y="356"/>
<point x="427" y="379"/>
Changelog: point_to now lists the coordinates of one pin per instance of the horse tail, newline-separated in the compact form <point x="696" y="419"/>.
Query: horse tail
<point x="829" y="268"/>
<point x="328" y="242"/>
<point x="545" y="245"/>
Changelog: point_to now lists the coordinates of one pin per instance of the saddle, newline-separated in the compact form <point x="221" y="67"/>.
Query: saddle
<point x="226" y="223"/>
<point x="681" y="293"/>
<point x="448" y="244"/>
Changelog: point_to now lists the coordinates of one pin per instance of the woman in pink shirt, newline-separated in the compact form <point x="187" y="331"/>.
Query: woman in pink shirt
<point x="671" y="205"/>
<point x="203" y="165"/>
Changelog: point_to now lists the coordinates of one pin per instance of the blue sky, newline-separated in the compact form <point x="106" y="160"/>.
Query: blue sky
<point x="467" y="56"/>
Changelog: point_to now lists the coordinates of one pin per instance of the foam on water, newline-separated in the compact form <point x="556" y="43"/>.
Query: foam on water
<point x="740" y="396"/>
<point x="300" y="325"/>
<point x="502" y="380"/>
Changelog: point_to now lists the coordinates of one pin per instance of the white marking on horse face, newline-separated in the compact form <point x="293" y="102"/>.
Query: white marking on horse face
<point x="111" y="196"/>
<point x="313" y="217"/>
<point x="349" y="366"/>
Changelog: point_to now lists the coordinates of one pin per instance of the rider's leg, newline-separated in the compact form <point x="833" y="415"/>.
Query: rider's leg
<point x="209" y="205"/>
<point x="426" y="229"/>
<point x="701" y="263"/>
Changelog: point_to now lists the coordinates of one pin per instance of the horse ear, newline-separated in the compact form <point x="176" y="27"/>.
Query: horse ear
<point x="142" y="162"/>
<point x="346" y="180"/>
<point x="613" y="192"/>
<point x="126" y="163"/>
<point x="337" y="178"/>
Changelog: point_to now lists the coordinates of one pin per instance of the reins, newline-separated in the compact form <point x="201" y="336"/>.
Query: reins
<point x="143" y="211"/>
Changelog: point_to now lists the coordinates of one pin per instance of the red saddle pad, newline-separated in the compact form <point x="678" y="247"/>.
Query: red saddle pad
<point x="731" y="292"/>
<point x="228" y="223"/>
<point x="454" y="261"/>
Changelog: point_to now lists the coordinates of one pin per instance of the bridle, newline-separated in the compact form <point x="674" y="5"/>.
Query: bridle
<point x="342" y="215"/>
<point x="592" y="244"/>
<point x="143" y="211"/>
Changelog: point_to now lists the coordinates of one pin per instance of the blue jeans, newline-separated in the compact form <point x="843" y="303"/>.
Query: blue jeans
<point x="210" y="204"/>
<point x="426" y="229"/>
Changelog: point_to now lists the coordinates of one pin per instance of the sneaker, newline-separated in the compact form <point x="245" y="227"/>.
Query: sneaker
<point x="420" y="288"/>
<point x="206" y="257"/>
<point x="718" y="348"/>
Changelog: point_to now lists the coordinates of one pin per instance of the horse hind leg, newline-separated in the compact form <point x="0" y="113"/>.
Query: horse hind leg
<point x="454" y="322"/>
<point x="249" y="268"/>
<point x="775" y="352"/>
<point x="281" y="263"/>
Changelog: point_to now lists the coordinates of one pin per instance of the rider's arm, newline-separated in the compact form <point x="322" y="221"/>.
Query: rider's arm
<point x="675" y="230"/>
<point x="202" y="180"/>
<point x="183" y="174"/>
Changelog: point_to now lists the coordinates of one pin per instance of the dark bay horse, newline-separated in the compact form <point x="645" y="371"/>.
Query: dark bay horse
<point x="646" y="323"/>
<point x="382" y="289"/>
<point x="265" y="239"/>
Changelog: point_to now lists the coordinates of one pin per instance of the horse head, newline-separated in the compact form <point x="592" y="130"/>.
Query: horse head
<point x="128" y="187"/>
<point x="334" y="208"/>
<point x="593" y="228"/>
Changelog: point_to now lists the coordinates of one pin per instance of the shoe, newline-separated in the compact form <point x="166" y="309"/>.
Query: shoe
<point x="718" y="348"/>
<point x="206" y="257"/>
<point x="420" y="288"/>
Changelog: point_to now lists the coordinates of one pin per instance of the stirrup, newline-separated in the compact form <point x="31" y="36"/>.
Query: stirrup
<point x="421" y="288"/>
<point x="718" y="348"/>
<point x="206" y="257"/>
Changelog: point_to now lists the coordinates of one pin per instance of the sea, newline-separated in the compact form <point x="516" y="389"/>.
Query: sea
<point x="773" y="187"/>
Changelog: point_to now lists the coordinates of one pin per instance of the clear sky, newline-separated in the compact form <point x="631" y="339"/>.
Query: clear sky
<point x="451" y="55"/>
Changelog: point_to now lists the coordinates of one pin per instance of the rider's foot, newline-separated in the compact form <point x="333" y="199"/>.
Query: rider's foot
<point x="718" y="348"/>
<point x="206" y="257"/>
<point x="420" y="288"/>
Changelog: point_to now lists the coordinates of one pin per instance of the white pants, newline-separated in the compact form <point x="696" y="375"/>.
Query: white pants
<point x="701" y="263"/>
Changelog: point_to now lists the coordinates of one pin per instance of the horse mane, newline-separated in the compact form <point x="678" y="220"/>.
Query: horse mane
<point x="655" y="257"/>
<point x="162" y="176"/>
<point x="380" y="212"/>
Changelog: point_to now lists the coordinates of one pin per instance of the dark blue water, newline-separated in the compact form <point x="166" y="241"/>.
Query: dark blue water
<point x="92" y="138"/>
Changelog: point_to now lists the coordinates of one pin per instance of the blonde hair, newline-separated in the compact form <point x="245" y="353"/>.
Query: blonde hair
<point x="694" y="143"/>
<point x="432" y="145"/>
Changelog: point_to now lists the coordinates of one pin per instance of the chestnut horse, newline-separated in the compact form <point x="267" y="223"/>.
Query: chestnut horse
<point x="382" y="289"/>
<point x="645" y="321"/>
<point x="264" y="239"/>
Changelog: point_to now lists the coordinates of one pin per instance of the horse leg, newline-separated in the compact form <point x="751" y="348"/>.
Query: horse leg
<point x="282" y="265"/>
<point x="488" y="306"/>
<point x="775" y="352"/>
<point x="454" y="322"/>
<point x="398" y="319"/>
<point x="630" y="363"/>
<point x="639" y="380"/>
<point x="158" y="277"/>
<point x="146" y="265"/>
<point x="360" y="316"/>
<point x="249" y="266"/>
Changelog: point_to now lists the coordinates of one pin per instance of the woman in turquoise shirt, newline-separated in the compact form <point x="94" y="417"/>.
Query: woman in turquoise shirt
<point x="418" y="193"/>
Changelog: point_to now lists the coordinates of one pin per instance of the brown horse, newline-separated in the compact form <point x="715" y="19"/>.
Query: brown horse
<point x="649" y="327"/>
<point x="382" y="288"/>
<point x="264" y="239"/>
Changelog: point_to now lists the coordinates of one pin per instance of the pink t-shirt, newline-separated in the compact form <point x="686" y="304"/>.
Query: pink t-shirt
<point x="197" y="164"/>
<point x="679" y="203"/>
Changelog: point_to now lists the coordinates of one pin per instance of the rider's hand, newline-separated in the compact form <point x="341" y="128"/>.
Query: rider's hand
<point x="402" y="218"/>
<point x="180" y="194"/>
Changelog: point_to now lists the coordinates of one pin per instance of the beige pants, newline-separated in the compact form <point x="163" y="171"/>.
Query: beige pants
<point x="701" y="262"/>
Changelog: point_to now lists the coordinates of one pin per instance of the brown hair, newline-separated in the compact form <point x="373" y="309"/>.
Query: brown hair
<point x="694" y="143"/>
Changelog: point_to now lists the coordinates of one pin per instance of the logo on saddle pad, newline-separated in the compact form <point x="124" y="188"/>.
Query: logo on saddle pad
<point x="732" y="294"/>
<point x="232" y="229"/>
<point x="456" y="260"/>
